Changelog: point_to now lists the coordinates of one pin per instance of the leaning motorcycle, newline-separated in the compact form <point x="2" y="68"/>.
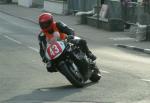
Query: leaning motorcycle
<point x="68" y="59"/>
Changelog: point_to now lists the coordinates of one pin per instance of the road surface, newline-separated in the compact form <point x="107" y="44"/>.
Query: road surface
<point x="24" y="79"/>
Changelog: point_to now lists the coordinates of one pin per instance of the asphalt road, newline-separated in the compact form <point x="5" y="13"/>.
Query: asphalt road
<point x="24" y="79"/>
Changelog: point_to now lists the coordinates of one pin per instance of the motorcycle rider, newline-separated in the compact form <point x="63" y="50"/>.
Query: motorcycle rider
<point x="49" y="26"/>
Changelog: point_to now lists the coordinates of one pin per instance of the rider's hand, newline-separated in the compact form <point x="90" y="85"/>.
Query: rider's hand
<point x="44" y="59"/>
<point x="69" y="37"/>
<point x="49" y="65"/>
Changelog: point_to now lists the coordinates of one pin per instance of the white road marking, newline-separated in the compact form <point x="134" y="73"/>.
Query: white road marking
<point x="121" y="38"/>
<point x="34" y="49"/>
<point x="103" y="71"/>
<point x="147" y="49"/>
<point x="18" y="42"/>
<point x="146" y="80"/>
<point x="131" y="46"/>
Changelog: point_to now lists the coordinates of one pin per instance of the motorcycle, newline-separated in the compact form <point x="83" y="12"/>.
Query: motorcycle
<point x="70" y="61"/>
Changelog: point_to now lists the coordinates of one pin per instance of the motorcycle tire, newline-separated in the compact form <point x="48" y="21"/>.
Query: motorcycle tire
<point x="73" y="76"/>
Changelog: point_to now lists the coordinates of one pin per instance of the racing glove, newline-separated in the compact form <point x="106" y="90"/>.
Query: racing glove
<point x="70" y="37"/>
<point x="44" y="59"/>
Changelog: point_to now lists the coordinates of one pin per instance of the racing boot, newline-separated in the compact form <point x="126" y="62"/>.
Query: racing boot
<point x="95" y="68"/>
<point x="91" y="55"/>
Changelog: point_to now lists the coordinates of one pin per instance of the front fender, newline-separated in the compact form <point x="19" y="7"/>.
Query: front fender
<point x="61" y="66"/>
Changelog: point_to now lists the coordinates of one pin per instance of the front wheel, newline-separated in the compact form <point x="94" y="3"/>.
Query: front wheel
<point x="71" y="72"/>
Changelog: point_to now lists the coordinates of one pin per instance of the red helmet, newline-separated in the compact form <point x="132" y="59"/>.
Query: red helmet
<point x="46" y="20"/>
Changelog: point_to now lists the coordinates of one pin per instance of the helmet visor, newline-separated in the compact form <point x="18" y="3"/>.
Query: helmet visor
<point x="45" y="25"/>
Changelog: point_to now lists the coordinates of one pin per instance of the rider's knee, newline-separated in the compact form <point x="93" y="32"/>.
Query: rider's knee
<point x="82" y="42"/>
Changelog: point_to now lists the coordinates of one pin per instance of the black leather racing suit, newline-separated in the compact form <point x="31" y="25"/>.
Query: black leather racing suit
<point x="63" y="28"/>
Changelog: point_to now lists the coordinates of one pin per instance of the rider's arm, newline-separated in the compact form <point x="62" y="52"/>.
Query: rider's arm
<point x="42" y="44"/>
<point x="65" y="29"/>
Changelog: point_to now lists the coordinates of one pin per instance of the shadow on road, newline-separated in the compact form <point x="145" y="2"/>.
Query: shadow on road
<point x="47" y="94"/>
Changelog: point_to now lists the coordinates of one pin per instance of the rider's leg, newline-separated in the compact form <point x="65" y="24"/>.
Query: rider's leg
<point x="84" y="47"/>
